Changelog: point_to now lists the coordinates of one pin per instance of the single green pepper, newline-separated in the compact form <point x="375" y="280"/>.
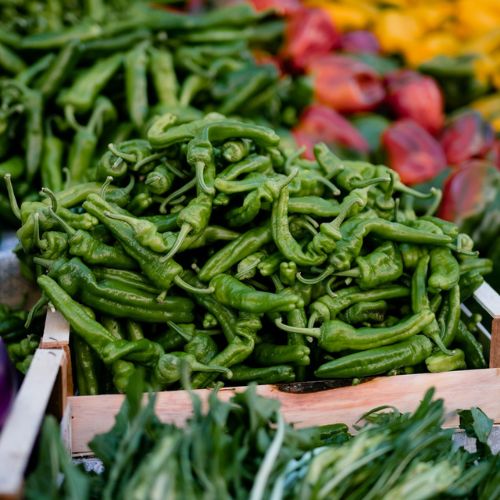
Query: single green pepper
<point x="445" y="271"/>
<point x="232" y="292"/>
<point x="473" y="350"/>
<point x="336" y="336"/>
<point x="440" y="362"/>
<point x="377" y="361"/>
<point x="169" y="368"/>
<point x="266" y="354"/>
<point x="136" y="89"/>
<point x="267" y="375"/>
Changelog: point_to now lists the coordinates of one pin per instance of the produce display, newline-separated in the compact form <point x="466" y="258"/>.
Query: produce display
<point x="246" y="251"/>
<point x="242" y="192"/>
<point x="245" y="449"/>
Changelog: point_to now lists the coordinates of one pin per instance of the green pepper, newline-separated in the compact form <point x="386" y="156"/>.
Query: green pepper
<point x="164" y="78"/>
<point x="91" y="331"/>
<point x="52" y="161"/>
<point x="243" y="246"/>
<point x="420" y="302"/>
<point x="377" y="361"/>
<point x="168" y="369"/>
<point x="84" y="90"/>
<point x="263" y="375"/>
<point x="159" y="180"/>
<point x="136" y="62"/>
<point x="266" y="354"/>
<point x="86" y="369"/>
<point x="336" y="336"/>
<point x="472" y="348"/>
<point x="232" y="292"/>
<point x="10" y="61"/>
<point x="59" y="70"/>
<point x="382" y="266"/>
<point x="364" y="311"/>
<point x="445" y="272"/>
<point x="440" y="362"/>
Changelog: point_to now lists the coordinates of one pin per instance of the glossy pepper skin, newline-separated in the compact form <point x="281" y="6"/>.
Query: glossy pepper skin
<point x="266" y="354"/>
<point x="337" y="336"/>
<point x="378" y="361"/>
<point x="414" y="154"/>
<point x="440" y="362"/>
<point x="275" y="374"/>
<point x="472" y="348"/>
<point x="161" y="274"/>
<point x="234" y="293"/>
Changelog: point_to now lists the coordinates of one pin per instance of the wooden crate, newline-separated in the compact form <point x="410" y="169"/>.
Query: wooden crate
<point x="303" y="403"/>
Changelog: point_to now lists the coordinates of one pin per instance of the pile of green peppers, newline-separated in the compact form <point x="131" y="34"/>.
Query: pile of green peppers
<point x="77" y="76"/>
<point x="21" y="342"/>
<point x="209" y="244"/>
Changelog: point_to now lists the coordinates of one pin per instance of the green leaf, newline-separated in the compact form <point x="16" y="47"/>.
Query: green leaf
<point x="476" y="424"/>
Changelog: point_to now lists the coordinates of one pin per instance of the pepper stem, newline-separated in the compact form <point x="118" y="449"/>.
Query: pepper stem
<point x="350" y="273"/>
<point x="199" y="367"/>
<point x="183" y="233"/>
<point x="105" y="186"/>
<point x="190" y="288"/>
<point x="313" y="281"/>
<point x="46" y="263"/>
<point x="369" y="182"/>
<point x="172" y="196"/>
<point x="51" y="196"/>
<point x="69" y="115"/>
<point x="333" y="188"/>
<point x="36" y="307"/>
<point x="200" y="170"/>
<point x="312" y="332"/>
<point x="402" y="188"/>
<point x="179" y="330"/>
<point x="438" y="194"/>
<point x="312" y="319"/>
<point x="436" y="338"/>
<point x="12" y="196"/>
<point x="67" y="228"/>
<point x="36" y="229"/>
<point x="131" y="158"/>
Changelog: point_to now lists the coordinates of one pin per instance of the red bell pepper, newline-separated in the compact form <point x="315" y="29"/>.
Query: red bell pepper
<point x="360" y="42"/>
<point x="309" y="33"/>
<point x="282" y="7"/>
<point x="321" y="124"/>
<point x="466" y="136"/>
<point x="468" y="190"/>
<point x="345" y="84"/>
<point x="413" y="152"/>
<point x="415" y="96"/>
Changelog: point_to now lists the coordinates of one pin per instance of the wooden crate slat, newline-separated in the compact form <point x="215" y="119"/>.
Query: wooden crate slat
<point x="93" y="415"/>
<point x="23" y="423"/>
<point x="489" y="299"/>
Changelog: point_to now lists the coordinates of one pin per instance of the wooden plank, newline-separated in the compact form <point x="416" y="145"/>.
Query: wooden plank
<point x="93" y="415"/>
<point x="23" y="423"/>
<point x="56" y="331"/>
<point x="56" y="336"/>
<point x="495" y="343"/>
<point x="489" y="299"/>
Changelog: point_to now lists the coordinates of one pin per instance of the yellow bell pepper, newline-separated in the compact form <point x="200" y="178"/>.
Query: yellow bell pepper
<point x="489" y="107"/>
<point x="394" y="29"/>
<point x="431" y="45"/>
<point x="346" y="16"/>
<point x="433" y="15"/>
<point x="476" y="17"/>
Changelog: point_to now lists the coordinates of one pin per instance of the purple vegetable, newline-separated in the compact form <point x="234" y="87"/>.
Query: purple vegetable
<point x="7" y="383"/>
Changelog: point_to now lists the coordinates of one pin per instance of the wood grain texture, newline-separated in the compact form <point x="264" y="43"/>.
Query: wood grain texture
<point x="23" y="423"/>
<point x="56" y="336"/>
<point x="495" y="344"/>
<point x="93" y="415"/>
